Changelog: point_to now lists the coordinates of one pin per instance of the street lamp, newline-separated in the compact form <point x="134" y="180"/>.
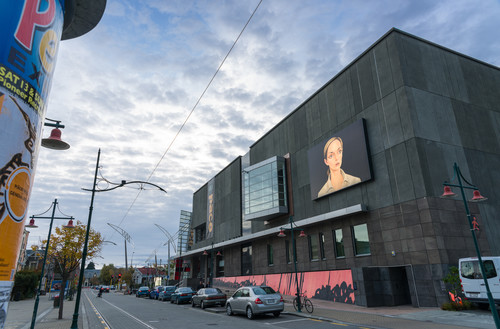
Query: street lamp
<point x="282" y="234"/>
<point x="477" y="197"/>
<point x="54" y="141"/>
<point x="126" y="237"/>
<point x="169" y="242"/>
<point x="210" y="276"/>
<point x="32" y="225"/>
<point x="74" y="324"/>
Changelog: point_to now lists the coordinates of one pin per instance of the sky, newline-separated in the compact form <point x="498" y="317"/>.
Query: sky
<point x="130" y="84"/>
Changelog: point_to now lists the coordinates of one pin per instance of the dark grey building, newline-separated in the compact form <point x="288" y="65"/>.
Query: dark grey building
<point x="406" y="110"/>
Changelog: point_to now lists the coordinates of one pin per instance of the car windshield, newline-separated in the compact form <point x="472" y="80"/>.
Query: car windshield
<point x="184" y="289"/>
<point x="263" y="291"/>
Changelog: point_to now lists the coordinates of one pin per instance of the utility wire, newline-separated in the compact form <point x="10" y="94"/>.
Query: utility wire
<point x="192" y="110"/>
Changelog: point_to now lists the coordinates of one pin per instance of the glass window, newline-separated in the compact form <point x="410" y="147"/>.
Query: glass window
<point x="338" y="243"/>
<point x="322" y="246"/>
<point x="313" y="247"/>
<point x="361" y="240"/>
<point x="246" y="260"/>
<point x="270" y="258"/>
<point x="472" y="270"/>
<point x="264" y="189"/>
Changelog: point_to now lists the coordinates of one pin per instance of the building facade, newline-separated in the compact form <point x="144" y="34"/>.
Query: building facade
<point x="359" y="167"/>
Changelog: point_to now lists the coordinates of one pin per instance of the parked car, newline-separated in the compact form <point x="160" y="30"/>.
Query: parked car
<point x="166" y="293"/>
<point x="143" y="291"/>
<point x="182" y="295"/>
<point x="209" y="297"/>
<point x="254" y="300"/>
<point x="105" y="288"/>
<point x="153" y="293"/>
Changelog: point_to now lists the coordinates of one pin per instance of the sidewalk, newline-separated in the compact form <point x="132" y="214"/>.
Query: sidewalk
<point x="405" y="316"/>
<point x="20" y="313"/>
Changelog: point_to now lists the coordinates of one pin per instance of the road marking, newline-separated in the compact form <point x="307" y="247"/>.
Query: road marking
<point x="106" y="325"/>
<point x="339" y="324"/>
<point x="130" y="315"/>
<point x="38" y="318"/>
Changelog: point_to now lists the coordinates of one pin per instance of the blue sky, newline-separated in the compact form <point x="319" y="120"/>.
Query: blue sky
<point x="128" y="85"/>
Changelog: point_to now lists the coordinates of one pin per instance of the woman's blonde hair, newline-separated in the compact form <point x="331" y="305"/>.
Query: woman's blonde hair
<point x="331" y="140"/>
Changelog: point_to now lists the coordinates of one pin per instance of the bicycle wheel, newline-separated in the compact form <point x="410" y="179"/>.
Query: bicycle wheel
<point x="295" y="303"/>
<point x="308" y="305"/>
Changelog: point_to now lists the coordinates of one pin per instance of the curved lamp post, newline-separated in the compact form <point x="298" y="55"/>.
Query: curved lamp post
<point x="74" y="324"/>
<point x="302" y="234"/>
<point x="32" y="225"/>
<point x="477" y="197"/>
<point x="169" y="242"/>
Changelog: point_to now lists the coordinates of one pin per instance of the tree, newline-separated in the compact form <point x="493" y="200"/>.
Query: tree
<point x="66" y="249"/>
<point x="106" y="272"/>
<point x="25" y="284"/>
<point x="91" y="266"/>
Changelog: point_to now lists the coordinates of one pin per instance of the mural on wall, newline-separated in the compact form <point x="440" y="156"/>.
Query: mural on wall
<point x="339" y="161"/>
<point x="335" y="286"/>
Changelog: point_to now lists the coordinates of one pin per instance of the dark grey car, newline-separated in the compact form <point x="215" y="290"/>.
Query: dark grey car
<point x="254" y="300"/>
<point x="209" y="297"/>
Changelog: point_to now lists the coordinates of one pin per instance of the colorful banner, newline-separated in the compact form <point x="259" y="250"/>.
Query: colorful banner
<point x="335" y="286"/>
<point x="30" y="32"/>
<point x="210" y="210"/>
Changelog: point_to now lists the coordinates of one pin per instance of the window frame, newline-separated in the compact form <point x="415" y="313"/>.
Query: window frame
<point x="355" y="243"/>
<point x="336" y="244"/>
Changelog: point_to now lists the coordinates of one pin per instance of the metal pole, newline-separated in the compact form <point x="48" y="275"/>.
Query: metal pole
<point x="299" y="308"/>
<point x="35" y="309"/>
<point x="481" y="265"/>
<point x="126" y="264"/>
<point x="210" y="278"/>
<point x="74" y="324"/>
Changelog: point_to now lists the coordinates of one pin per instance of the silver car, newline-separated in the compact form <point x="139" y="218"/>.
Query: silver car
<point x="254" y="300"/>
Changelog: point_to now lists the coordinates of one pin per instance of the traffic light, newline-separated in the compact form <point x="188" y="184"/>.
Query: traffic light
<point x="112" y="276"/>
<point x="119" y="276"/>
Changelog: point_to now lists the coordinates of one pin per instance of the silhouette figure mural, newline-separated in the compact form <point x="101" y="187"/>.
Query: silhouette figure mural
<point x="335" y="286"/>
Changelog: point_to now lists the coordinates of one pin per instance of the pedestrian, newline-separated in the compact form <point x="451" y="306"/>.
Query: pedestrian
<point x="200" y="285"/>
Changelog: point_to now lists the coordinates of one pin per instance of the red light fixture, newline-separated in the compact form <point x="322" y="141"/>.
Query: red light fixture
<point x="282" y="234"/>
<point x="447" y="192"/>
<point x="302" y="234"/>
<point x="54" y="141"/>
<point x="477" y="197"/>
<point x="32" y="224"/>
<point x="205" y="253"/>
<point x="70" y="224"/>
<point x="219" y="253"/>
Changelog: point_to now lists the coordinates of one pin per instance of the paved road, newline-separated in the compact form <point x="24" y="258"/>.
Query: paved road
<point x="126" y="312"/>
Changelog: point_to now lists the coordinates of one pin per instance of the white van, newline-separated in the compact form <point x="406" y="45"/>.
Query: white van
<point x="472" y="280"/>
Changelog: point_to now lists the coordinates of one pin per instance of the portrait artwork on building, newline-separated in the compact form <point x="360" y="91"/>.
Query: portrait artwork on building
<point x="339" y="161"/>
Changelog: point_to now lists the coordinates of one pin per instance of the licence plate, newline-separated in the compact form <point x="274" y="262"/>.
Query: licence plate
<point x="271" y="301"/>
<point x="473" y="294"/>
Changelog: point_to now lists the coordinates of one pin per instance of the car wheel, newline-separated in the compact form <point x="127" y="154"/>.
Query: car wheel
<point x="192" y="303"/>
<point x="276" y="314"/>
<point x="177" y="301"/>
<point x="202" y="305"/>
<point x="229" y="310"/>
<point x="171" y="301"/>
<point x="250" y="314"/>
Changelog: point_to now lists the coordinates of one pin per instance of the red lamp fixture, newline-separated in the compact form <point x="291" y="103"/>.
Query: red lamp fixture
<point x="282" y="234"/>
<point x="302" y="234"/>
<point x="70" y="224"/>
<point x="219" y="253"/>
<point x="32" y="223"/>
<point x="205" y="253"/>
<point x="447" y="192"/>
<point x="477" y="197"/>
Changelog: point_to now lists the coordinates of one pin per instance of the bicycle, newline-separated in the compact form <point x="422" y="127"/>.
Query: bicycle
<point x="304" y="303"/>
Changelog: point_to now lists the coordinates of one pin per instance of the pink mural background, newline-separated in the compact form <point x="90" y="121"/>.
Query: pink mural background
<point x="335" y="286"/>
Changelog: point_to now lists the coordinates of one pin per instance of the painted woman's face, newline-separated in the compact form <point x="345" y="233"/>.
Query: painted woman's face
<point x="334" y="156"/>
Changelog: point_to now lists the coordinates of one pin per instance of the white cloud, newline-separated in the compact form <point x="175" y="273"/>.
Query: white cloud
<point x="128" y="85"/>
